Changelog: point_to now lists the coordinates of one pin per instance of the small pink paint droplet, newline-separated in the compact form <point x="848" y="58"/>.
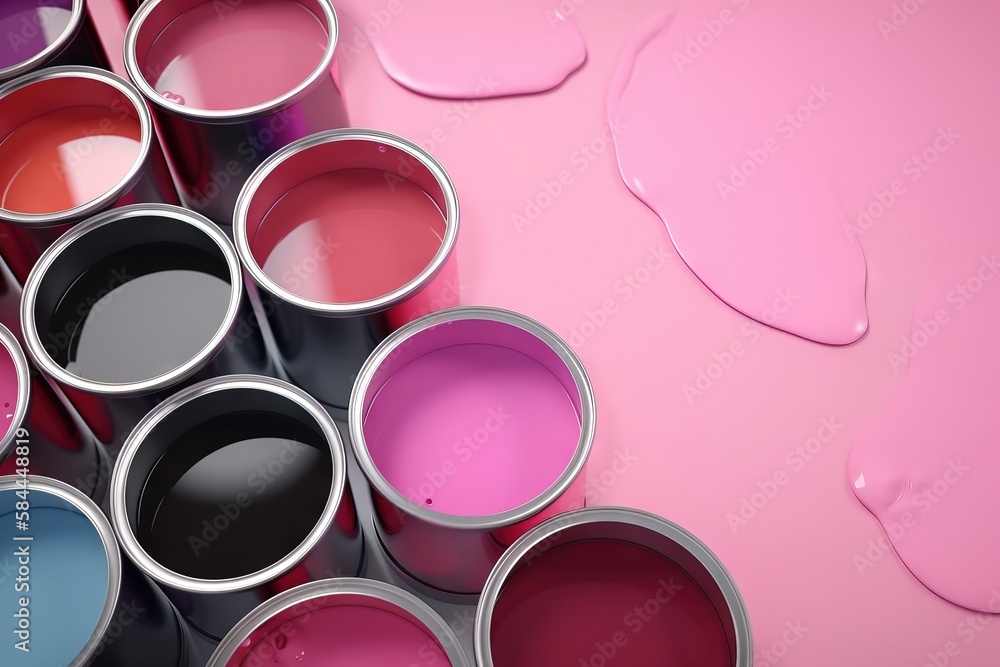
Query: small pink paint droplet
<point x="300" y="657"/>
<point x="429" y="501"/>
<point x="280" y="641"/>
<point x="173" y="97"/>
<point x="381" y="149"/>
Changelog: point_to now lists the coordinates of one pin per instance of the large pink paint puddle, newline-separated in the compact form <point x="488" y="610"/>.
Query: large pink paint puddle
<point x="726" y="143"/>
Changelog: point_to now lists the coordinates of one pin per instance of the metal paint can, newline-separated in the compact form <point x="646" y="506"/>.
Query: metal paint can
<point x="153" y="296"/>
<point x="322" y="341"/>
<point x="105" y="154"/>
<point x="471" y="425"/>
<point x="232" y="491"/>
<point x="319" y="616"/>
<point x="215" y="147"/>
<point x="602" y="584"/>
<point x="73" y="599"/>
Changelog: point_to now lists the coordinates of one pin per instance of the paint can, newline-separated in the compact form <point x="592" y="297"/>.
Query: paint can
<point x="362" y="241"/>
<point x="74" y="141"/>
<point x="606" y="585"/>
<point x="232" y="491"/>
<point x="133" y="304"/>
<point x="471" y="425"/>
<point x="226" y="99"/>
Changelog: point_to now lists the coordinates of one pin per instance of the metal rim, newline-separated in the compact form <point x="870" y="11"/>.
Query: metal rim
<point x="78" y="11"/>
<point x="227" y="115"/>
<point x="488" y="522"/>
<point x="370" y="306"/>
<point x="656" y="524"/>
<point x="13" y="348"/>
<point x="36" y="349"/>
<point x="93" y="513"/>
<point x="432" y="621"/>
<point x="119" y="514"/>
<point x="122" y="186"/>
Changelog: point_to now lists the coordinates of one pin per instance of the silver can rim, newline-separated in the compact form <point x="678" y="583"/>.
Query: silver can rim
<point x="106" y="200"/>
<point x="588" y="410"/>
<point x="119" y="513"/>
<point x="36" y="349"/>
<point x="361" y="308"/>
<point x="23" y="371"/>
<point x="652" y="522"/>
<point x="93" y="514"/>
<point x="78" y="11"/>
<point x="228" y="116"/>
<point x="431" y="620"/>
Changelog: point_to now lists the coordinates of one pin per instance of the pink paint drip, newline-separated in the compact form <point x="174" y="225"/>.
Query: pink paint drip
<point x="233" y="55"/>
<point x="348" y="635"/>
<point x="472" y="430"/>
<point x="728" y="149"/>
<point x="467" y="50"/>
<point x="928" y="466"/>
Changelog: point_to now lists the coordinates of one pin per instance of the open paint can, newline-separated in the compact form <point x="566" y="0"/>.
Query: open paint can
<point x="66" y="592"/>
<point x="232" y="491"/>
<point x="232" y="82"/>
<point x="347" y="234"/>
<point x="342" y="621"/>
<point x="74" y="141"/>
<point x="131" y="305"/>
<point x="607" y="586"/>
<point x="471" y="425"/>
<point x="38" y="430"/>
<point x="42" y="33"/>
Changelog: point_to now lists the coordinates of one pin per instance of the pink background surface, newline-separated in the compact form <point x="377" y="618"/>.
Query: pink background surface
<point x="695" y="462"/>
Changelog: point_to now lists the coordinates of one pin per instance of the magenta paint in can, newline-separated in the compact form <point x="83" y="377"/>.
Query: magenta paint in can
<point x="342" y="621"/>
<point x="74" y="141"/>
<point x="44" y="33"/>
<point x="471" y="425"/>
<point x="232" y="82"/>
<point x="347" y="234"/>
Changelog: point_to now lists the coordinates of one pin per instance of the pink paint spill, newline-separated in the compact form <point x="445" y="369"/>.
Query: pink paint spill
<point x="472" y="429"/>
<point x="347" y="635"/>
<point x="728" y="145"/>
<point x="233" y="55"/>
<point x="466" y="50"/>
<point x="927" y="467"/>
<point x="348" y="236"/>
<point x="605" y="602"/>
